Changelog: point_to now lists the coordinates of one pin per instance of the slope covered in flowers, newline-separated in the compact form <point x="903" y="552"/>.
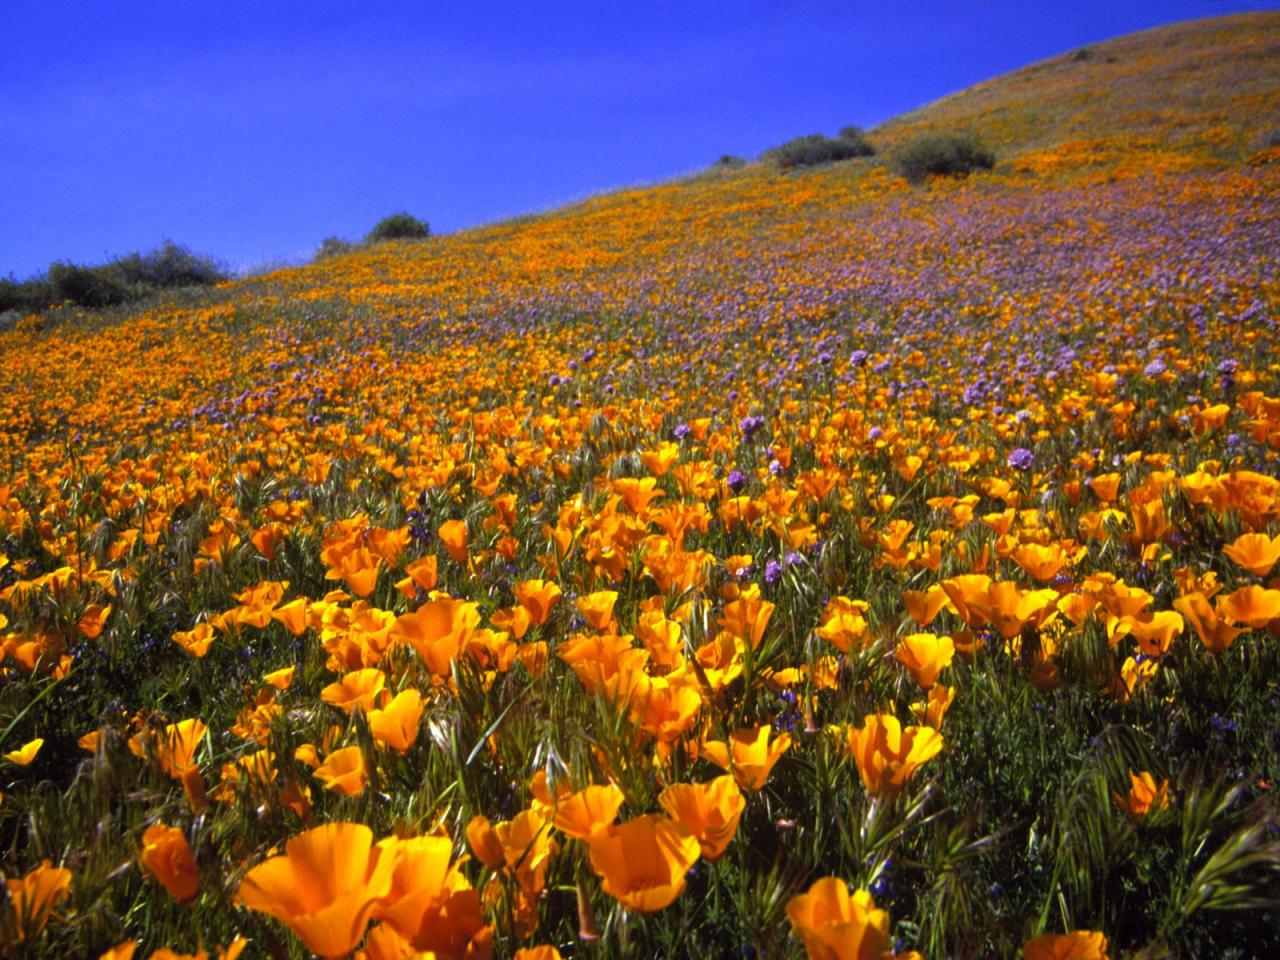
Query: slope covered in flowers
<point x="612" y="580"/>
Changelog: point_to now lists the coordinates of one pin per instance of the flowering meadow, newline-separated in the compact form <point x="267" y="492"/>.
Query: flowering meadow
<point x="754" y="565"/>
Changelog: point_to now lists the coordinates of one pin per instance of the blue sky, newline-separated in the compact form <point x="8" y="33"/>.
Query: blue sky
<point x="252" y="131"/>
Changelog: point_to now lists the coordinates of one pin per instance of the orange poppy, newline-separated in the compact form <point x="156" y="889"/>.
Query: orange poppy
<point x="1078" y="945"/>
<point x="834" y="924"/>
<point x="710" y="811"/>
<point x="643" y="862"/>
<point x="325" y="887"/>
<point x="167" y="856"/>
<point x="887" y="755"/>
<point x="33" y="896"/>
<point x="749" y="755"/>
<point x="925" y="655"/>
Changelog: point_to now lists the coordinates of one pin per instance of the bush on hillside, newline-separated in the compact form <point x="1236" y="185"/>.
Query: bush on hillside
<point x="942" y="154"/>
<point x="816" y="149"/>
<point x="334" y="247"/>
<point x="26" y="296"/>
<point x="92" y="287"/>
<point x="398" y="226"/>
<point x="170" y="266"/>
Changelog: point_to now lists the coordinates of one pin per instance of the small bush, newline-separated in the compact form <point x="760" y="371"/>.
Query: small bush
<point x="730" y="161"/>
<point x="88" y="286"/>
<point x="27" y="296"/>
<point x="856" y="137"/>
<point x="334" y="247"/>
<point x="169" y="266"/>
<point x="942" y="154"/>
<point x="816" y="149"/>
<point x="398" y="226"/>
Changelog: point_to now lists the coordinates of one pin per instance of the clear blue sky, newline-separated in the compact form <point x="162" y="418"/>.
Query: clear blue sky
<point x="252" y="131"/>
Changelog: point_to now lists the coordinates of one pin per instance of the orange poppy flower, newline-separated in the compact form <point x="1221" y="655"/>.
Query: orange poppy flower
<point x="280" y="679"/>
<point x="925" y="655"/>
<point x="33" y="896"/>
<point x="396" y="724"/>
<point x="438" y="630"/>
<point x="748" y="616"/>
<point x="167" y="856"/>
<point x="597" y="608"/>
<point x="453" y="534"/>
<point x="749" y="755"/>
<point x="430" y="903"/>
<point x="537" y="597"/>
<point x="834" y="924"/>
<point x="355" y="690"/>
<point x="527" y="848"/>
<point x="843" y="623"/>
<point x="174" y="748"/>
<point x="1078" y="945"/>
<point x="1255" y="552"/>
<point x="589" y="810"/>
<point x="923" y="605"/>
<point x="1253" y="606"/>
<point x="1214" y="631"/>
<point x="344" y="771"/>
<point x="887" y="754"/>
<point x="484" y="842"/>
<point x="1145" y="796"/>
<point x="710" y="811"/>
<point x="643" y="862"/>
<point x="1154" y="632"/>
<point x="931" y="712"/>
<point x="26" y="753"/>
<point x="325" y="887"/>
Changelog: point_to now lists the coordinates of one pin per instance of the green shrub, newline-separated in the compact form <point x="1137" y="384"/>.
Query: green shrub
<point x="169" y="266"/>
<point x="730" y="161"/>
<point x="816" y="149"/>
<point x="26" y="296"/>
<point x="942" y="154"/>
<point x="857" y="137"/>
<point x="334" y="247"/>
<point x="89" y="286"/>
<point x="398" y="226"/>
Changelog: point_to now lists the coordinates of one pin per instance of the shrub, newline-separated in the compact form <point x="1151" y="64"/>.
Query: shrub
<point x="88" y="286"/>
<point x="398" y="226"/>
<point x="334" y="247"/>
<point x="816" y="149"/>
<point x="857" y="137"/>
<point x="169" y="266"/>
<point x="942" y="154"/>
<point x="27" y="296"/>
<point x="729" y="160"/>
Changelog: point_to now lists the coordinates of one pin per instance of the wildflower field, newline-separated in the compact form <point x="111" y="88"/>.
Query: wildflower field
<point x="760" y="565"/>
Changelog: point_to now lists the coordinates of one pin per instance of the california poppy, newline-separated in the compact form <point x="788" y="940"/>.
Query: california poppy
<point x="834" y="924"/>
<point x="710" y="811"/>
<point x="887" y="754"/>
<point x="325" y="887"/>
<point x="643" y="862"/>
<point x="167" y="856"/>
<point x="1077" y="945"/>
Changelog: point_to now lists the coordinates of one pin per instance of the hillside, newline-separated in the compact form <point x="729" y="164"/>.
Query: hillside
<point x="813" y="525"/>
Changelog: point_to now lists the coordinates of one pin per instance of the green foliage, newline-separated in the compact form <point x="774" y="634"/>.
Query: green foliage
<point x="335" y="247"/>
<point x="398" y="226"/>
<point x="169" y="266"/>
<point x="942" y="154"/>
<point x="92" y="287"/>
<point x="816" y="149"/>
<point x="123" y="280"/>
<point x="27" y="296"/>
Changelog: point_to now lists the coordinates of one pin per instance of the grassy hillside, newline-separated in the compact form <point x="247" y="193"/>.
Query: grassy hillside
<point x="629" y="570"/>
